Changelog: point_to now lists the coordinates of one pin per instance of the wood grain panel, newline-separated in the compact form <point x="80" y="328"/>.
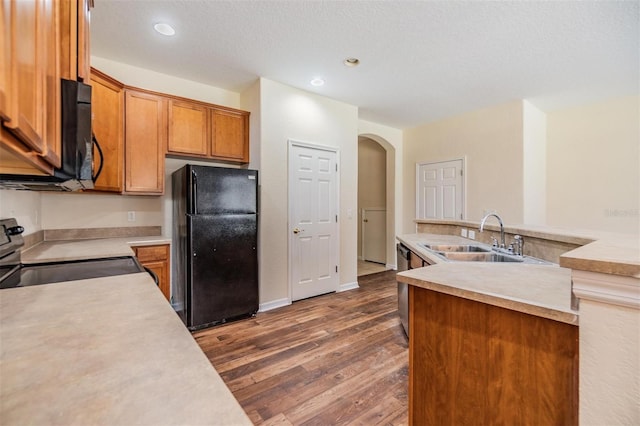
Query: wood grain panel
<point x="473" y="363"/>
<point x="145" y="142"/>
<point x="108" y="126"/>
<point x="188" y="125"/>
<point x="333" y="359"/>
<point x="230" y="135"/>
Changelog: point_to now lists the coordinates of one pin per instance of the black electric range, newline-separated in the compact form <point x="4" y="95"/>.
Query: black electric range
<point x="15" y="274"/>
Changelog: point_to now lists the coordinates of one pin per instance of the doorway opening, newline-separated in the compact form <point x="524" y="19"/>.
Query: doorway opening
<point x="375" y="190"/>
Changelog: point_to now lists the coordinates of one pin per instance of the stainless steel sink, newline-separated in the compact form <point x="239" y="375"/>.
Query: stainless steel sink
<point x="457" y="248"/>
<point x="480" y="257"/>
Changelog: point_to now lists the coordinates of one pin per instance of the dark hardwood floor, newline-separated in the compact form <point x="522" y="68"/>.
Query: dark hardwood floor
<point x="334" y="359"/>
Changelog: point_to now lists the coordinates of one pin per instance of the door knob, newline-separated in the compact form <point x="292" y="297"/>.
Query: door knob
<point x="297" y="230"/>
<point x="366" y="220"/>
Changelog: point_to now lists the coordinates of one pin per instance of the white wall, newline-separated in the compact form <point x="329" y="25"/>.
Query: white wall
<point x="392" y="140"/>
<point x="25" y="206"/>
<point x="288" y="113"/>
<point x="534" y="164"/>
<point x="491" y="141"/>
<point x="593" y="166"/>
<point x="152" y="80"/>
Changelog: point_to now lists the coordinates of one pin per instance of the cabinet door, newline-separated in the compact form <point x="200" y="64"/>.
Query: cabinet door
<point x="230" y="135"/>
<point x="108" y="126"/>
<point x="187" y="128"/>
<point x="5" y="49"/>
<point x="84" y="37"/>
<point x="51" y="113"/>
<point x="25" y="111"/>
<point x="145" y="141"/>
<point x="156" y="258"/>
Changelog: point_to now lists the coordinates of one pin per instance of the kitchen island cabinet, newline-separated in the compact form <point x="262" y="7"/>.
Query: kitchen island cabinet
<point x="492" y="344"/>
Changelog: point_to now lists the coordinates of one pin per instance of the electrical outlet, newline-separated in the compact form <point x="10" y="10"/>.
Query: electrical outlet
<point x="463" y="232"/>
<point x="472" y="234"/>
<point x="131" y="216"/>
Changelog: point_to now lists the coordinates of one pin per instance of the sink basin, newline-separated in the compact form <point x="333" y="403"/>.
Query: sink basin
<point x="479" y="257"/>
<point x="457" y="248"/>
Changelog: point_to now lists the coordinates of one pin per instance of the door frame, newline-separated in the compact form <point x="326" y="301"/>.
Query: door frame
<point x="463" y="208"/>
<point x="319" y="147"/>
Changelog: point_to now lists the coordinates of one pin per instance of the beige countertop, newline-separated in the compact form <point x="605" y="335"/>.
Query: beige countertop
<point x="600" y="251"/>
<point x="68" y="250"/>
<point x="541" y="290"/>
<point x="619" y="256"/>
<point x="104" y="351"/>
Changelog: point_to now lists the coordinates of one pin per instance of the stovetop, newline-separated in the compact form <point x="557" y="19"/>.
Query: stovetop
<point x="14" y="274"/>
<point x="47" y="273"/>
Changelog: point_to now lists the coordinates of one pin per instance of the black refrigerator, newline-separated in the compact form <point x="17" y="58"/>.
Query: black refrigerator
<point x="215" y="244"/>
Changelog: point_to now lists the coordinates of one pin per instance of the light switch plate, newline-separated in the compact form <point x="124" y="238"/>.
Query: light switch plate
<point x="472" y="234"/>
<point x="463" y="232"/>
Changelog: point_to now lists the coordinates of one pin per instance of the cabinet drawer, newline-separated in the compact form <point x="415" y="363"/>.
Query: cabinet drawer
<point x="152" y="253"/>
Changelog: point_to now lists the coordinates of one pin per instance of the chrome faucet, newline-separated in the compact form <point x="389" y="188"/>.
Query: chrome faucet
<point x="484" y="219"/>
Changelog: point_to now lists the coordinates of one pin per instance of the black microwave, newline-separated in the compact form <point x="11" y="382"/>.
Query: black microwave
<point x="76" y="168"/>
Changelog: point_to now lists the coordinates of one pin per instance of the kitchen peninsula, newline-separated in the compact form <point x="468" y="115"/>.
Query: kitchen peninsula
<point x="490" y="341"/>
<point x="501" y="341"/>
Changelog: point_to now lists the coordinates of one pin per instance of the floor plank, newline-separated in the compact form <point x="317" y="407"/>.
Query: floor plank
<point x="336" y="359"/>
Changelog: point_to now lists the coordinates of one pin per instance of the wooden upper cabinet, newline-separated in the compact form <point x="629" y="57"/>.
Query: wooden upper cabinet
<point x="74" y="39"/>
<point x="27" y="62"/>
<point x="108" y="127"/>
<point x="230" y="135"/>
<point x="188" y="128"/>
<point x="145" y="142"/>
<point x="5" y="50"/>
<point x="52" y="110"/>
<point x="83" y="39"/>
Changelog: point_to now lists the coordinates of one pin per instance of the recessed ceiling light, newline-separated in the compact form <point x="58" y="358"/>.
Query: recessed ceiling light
<point x="351" y="62"/>
<point x="317" y="82"/>
<point x="164" y="29"/>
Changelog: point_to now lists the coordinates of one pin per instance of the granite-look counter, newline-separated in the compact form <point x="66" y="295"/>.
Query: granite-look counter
<point x="541" y="290"/>
<point x="104" y="351"/>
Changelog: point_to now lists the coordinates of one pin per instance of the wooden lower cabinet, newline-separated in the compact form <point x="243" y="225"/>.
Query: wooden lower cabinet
<point x="476" y="364"/>
<point x="156" y="258"/>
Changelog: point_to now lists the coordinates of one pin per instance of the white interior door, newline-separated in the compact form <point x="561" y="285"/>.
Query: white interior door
<point x="313" y="220"/>
<point x="374" y="235"/>
<point x="439" y="190"/>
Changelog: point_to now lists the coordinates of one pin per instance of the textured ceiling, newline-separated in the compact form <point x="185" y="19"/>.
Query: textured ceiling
<point x="420" y="60"/>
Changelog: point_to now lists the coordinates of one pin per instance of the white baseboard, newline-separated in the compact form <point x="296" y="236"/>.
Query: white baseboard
<point x="348" y="286"/>
<point x="360" y="258"/>
<point x="390" y="266"/>
<point x="274" y="304"/>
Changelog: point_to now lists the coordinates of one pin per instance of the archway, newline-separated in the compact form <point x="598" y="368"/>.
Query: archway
<point x="376" y="196"/>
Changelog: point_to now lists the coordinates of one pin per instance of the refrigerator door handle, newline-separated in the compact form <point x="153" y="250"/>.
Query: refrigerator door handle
<point x="194" y="186"/>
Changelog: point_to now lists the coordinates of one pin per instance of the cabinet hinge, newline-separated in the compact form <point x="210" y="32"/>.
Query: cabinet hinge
<point x="336" y="167"/>
<point x="460" y="172"/>
<point x="336" y="268"/>
<point x="336" y="218"/>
